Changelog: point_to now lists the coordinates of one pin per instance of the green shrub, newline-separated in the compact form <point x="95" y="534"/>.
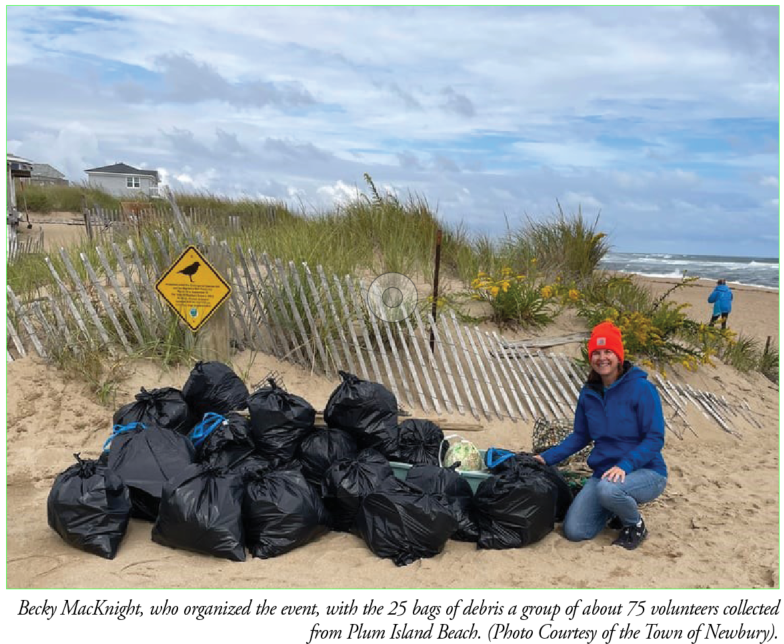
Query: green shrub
<point x="654" y="330"/>
<point x="516" y="300"/>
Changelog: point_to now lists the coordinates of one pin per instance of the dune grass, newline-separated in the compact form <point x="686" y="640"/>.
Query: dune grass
<point x="549" y="263"/>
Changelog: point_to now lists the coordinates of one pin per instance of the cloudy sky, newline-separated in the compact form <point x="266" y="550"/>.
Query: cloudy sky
<point x="663" y="120"/>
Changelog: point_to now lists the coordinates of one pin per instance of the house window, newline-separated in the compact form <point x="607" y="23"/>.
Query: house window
<point x="132" y="182"/>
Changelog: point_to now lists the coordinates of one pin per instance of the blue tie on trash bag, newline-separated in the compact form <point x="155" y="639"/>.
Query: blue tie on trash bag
<point x="208" y="424"/>
<point x="121" y="429"/>
<point x="495" y="456"/>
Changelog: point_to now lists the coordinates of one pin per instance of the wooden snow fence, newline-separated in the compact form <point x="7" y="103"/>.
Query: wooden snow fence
<point x="322" y="322"/>
<point x="18" y="245"/>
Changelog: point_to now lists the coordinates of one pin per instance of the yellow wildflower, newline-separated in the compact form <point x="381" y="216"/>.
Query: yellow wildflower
<point x="574" y="294"/>
<point x="547" y="292"/>
<point x="494" y="291"/>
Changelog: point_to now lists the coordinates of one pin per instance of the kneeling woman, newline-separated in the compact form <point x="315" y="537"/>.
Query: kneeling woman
<point x="620" y="411"/>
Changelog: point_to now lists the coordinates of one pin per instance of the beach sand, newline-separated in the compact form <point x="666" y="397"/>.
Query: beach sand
<point x="716" y="526"/>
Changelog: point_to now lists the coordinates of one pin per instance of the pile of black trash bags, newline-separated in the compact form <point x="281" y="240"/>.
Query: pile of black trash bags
<point x="221" y="471"/>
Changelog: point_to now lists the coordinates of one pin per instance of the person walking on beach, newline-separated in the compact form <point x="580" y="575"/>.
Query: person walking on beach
<point x="621" y="412"/>
<point x="721" y="298"/>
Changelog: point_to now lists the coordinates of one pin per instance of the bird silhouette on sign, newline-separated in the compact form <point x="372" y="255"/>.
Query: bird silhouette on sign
<point x="190" y="271"/>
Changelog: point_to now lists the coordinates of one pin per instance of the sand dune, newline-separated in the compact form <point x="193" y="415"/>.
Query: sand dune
<point x="715" y="526"/>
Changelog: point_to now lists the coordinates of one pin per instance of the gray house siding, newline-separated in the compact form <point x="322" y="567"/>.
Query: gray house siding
<point x="117" y="184"/>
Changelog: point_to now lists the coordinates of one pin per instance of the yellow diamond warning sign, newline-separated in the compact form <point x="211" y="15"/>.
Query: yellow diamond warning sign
<point x="193" y="288"/>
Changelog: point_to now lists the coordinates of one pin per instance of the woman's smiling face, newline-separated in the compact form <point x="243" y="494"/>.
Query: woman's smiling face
<point x="605" y="363"/>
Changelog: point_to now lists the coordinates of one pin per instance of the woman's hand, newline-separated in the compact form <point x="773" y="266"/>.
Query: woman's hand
<point x="539" y="458"/>
<point x="614" y="475"/>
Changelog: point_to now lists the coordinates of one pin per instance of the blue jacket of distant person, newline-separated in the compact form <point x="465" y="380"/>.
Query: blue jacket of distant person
<point x="624" y="421"/>
<point x="721" y="298"/>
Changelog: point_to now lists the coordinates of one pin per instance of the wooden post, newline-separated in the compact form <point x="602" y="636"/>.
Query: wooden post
<point x="435" y="288"/>
<point x="212" y="339"/>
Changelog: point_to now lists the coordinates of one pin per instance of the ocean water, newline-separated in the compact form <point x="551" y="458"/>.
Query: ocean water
<point x="753" y="271"/>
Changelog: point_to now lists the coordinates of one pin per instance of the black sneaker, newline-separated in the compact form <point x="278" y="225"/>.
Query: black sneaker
<point x="614" y="523"/>
<point x="632" y="536"/>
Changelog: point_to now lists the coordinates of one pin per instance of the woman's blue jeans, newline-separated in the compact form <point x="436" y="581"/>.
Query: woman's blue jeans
<point x="599" y="500"/>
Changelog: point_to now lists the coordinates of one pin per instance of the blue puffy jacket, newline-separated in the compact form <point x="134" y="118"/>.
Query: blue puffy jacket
<point x="721" y="298"/>
<point x="626" y="426"/>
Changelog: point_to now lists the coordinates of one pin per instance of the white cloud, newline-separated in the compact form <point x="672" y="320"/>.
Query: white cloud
<point x="517" y="105"/>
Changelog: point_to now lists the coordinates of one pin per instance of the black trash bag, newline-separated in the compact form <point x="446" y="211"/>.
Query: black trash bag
<point x="145" y="458"/>
<point x="348" y="481"/>
<point x="213" y="386"/>
<point x="279" y="421"/>
<point x="522" y="463"/>
<point x="323" y="447"/>
<point x="222" y="441"/>
<point x="164" y="407"/>
<point x="362" y="408"/>
<point x="420" y="442"/>
<point x="252" y="466"/>
<point x="512" y="512"/>
<point x="201" y="510"/>
<point x="443" y="480"/>
<point x="405" y="524"/>
<point x="89" y="506"/>
<point x="281" y="511"/>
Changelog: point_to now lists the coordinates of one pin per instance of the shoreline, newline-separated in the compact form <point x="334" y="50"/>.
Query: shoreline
<point x="703" y="281"/>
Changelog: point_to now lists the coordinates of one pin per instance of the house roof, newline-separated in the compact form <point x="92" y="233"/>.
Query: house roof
<point x="123" y="168"/>
<point x="45" y="170"/>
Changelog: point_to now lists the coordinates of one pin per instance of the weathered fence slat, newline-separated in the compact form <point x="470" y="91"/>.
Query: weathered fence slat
<point x="485" y="377"/>
<point x="49" y="330"/>
<point x="469" y="358"/>
<point x="281" y="308"/>
<point x="439" y="343"/>
<point x="359" y="311"/>
<point x="396" y="356"/>
<point x="536" y="395"/>
<point x="350" y="323"/>
<point x="151" y="254"/>
<point x="311" y="322"/>
<point x="411" y="366"/>
<point x="363" y="290"/>
<point x="556" y="358"/>
<point x="80" y="289"/>
<point x="264" y="297"/>
<point x="243" y="334"/>
<point x="120" y="295"/>
<point x="165" y="255"/>
<point x="107" y="305"/>
<point x="519" y="375"/>
<point x="491" y="361"/>
<point x="548" y="393"/>
<point x="503" y="360"/>
<point x="62" y="325"/>
<point x="250" y="326"/>
<point x="145" y="281"/>
<point x="432" y="361"/>
<point x="336" y="318"/>
<point x="567" y="407"/>
<point x="460" y="372"/>
<point x="284" y="278"/>
<point x="69" y="301"/>
<point x="322" y="315"/>
<point x="15" y="337"/>
<point x="415" y="342"/>
<point x="22" y="317"/>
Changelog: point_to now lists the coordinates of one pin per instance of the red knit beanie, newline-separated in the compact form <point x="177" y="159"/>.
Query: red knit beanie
<point x="606" y="336"/>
